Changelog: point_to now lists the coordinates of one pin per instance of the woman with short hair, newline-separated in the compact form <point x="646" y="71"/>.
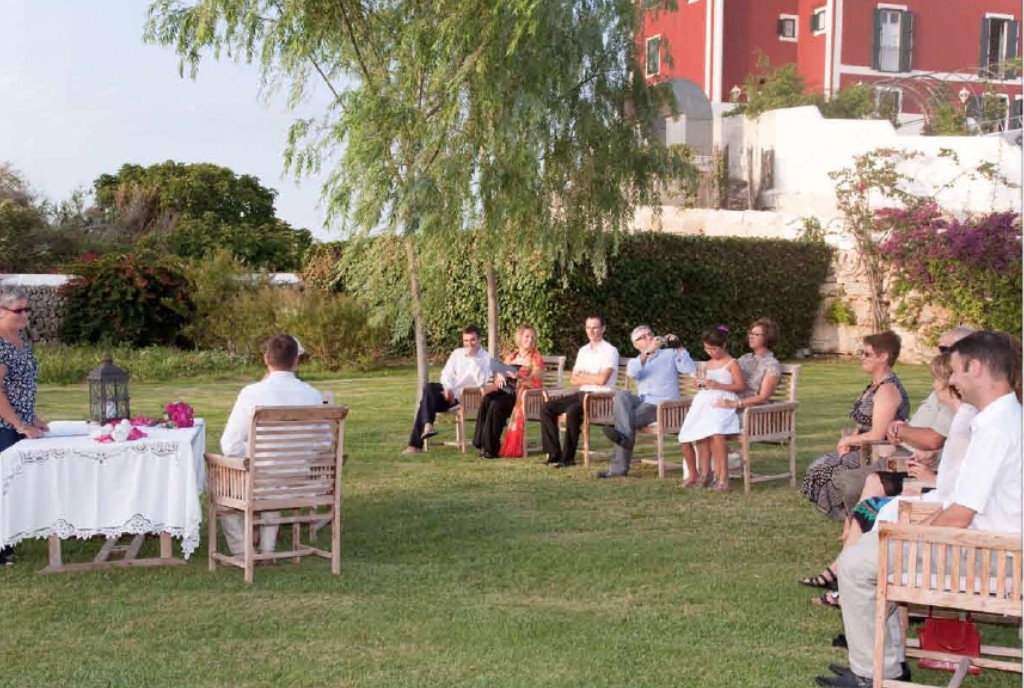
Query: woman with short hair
<point x="882" y="401"/>
<point x="18" y="372"/>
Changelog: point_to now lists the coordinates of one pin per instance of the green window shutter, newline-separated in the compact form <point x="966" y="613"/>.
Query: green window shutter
<point x="983" y="59"/>
<point x="1015" y="114"/>
<point x="906" y="41"/>
<point x="1012" y="48"/>
<point x="876" y="42"/>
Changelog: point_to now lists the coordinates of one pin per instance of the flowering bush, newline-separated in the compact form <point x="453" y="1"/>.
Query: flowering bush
<point x="134" y="299"/>
<point x="970" y="268"/>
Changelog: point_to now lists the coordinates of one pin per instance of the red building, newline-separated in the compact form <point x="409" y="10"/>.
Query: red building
<point x="835" y="43"/>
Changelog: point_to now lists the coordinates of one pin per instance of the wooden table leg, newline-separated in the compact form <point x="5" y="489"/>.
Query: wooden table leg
<point x="165" y="546"/>
<point x="56" y="562"/>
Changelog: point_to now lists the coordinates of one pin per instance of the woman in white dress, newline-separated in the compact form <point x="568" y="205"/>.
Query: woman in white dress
<point x="707" y="422"/>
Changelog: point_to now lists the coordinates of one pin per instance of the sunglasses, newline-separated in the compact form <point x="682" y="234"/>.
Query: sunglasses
<point x="19" y="311"/>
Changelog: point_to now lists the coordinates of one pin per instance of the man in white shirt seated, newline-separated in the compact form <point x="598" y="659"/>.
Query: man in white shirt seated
<point x="469" y="366"/>
<point x="987" y="496"/>
<point x="280" y="387"/>
<point x="596" y="368"/>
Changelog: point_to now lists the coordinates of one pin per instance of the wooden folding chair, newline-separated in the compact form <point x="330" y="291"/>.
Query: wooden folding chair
<point x="293" y="465"/>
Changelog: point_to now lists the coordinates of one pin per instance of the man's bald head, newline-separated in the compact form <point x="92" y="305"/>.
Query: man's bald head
<point x="951" y="337"/>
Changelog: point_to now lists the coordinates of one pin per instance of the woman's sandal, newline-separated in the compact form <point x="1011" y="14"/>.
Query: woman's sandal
<point x="720" y="487"/>
<point x="829" y="599"/>
<point x="692" y="481"/>
<point x="823" y="581"/>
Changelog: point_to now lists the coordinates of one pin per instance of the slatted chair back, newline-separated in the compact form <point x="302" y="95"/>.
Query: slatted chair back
<point x="786" y="389"/>
<point x="295" y="456"/>
<point x="554" y="371"/>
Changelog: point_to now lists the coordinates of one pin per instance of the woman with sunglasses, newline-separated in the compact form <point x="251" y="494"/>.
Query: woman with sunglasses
<point x="883" y="401"/>
<point x="18" y="370"/>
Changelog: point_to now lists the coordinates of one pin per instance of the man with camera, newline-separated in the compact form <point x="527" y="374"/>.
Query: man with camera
<point x="656" y="371"/>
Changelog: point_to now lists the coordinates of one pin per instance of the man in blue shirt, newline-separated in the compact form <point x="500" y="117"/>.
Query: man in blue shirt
<point x="656" y="372"/>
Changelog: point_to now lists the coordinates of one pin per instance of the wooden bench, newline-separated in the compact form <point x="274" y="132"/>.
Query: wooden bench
<point x="951" y="568"/>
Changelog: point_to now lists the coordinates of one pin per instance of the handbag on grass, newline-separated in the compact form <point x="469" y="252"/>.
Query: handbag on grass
<point x="951" y="636"/>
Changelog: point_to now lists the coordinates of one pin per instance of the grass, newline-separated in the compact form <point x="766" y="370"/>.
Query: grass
<point x="459" y="572"/>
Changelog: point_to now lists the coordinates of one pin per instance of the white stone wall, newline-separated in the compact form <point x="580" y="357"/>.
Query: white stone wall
<point x="808" y="147"/>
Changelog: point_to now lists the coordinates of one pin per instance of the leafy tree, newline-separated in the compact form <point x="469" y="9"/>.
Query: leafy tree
<point x="526" y="120"/>
<point x="194" y="209"/>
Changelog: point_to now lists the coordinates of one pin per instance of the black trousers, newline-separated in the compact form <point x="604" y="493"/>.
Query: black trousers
<point x="572" y="406"/>
<point x="495" y="409"/>
<point x="432" y="402"/>
<point x="8" y="436"/>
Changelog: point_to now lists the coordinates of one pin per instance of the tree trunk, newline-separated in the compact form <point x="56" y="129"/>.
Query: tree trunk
<point x="492" y="310"/>
<point x="419" y="327"/>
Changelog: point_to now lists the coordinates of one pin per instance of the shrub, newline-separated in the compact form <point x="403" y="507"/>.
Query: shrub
<point x="134" y="299"/>
<point x="677" y="284"/>
<point x="970" y="268"/>
<point x="321" y="271"/>
<point x="66" y="365"/>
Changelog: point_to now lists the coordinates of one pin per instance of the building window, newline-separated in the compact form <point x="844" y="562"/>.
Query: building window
<point x="1015" y="114"/>
<point x="989" y="112"/>
<point x="818" y="21"/>
<point x="786" y="27"/>
<point x="889" y="103"/>
<point x="653" y="62"/>
<point x="894" y="40"/>
<point x="998" y="46"/>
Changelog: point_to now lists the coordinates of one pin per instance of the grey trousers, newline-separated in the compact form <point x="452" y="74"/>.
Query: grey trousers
<point x="630" y="413"/>
<point x="233" y="526"/>
<point x="858" y="587"/>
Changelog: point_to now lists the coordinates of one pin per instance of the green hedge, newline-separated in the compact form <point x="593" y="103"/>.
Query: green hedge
<point x="675" y="284"/>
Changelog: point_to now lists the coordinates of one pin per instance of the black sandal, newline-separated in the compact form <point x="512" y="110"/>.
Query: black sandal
<point x="825" y="582"/>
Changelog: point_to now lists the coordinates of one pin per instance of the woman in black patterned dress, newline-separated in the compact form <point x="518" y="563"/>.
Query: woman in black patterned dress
<point x="883" y="401"/>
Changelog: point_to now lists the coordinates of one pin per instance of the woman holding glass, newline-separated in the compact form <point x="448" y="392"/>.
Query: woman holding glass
<point x="18" y="371"/>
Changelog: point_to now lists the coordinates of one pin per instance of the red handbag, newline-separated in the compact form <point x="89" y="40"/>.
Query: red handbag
<point x="951" y="636"/>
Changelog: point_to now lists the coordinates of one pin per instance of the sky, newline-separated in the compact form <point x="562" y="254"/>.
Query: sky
<point x="81" y="95"/>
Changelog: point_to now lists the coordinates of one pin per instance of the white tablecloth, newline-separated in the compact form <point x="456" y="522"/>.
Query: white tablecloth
<point x="70" y="485"/>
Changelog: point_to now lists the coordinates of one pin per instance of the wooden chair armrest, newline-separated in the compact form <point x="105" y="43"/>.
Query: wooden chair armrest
<point x="943" y="535"/>
<point x="556" y="392"/>
<point x="770" y="407"/>
<point x="238" y="463"/>
<point x="915" y="512"/>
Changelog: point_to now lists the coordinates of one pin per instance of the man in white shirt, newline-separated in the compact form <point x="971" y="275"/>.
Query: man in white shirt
<point x="469" y="366"/>
<point x="595" y="370"/>
<point x="279" y="387"/>
<point x="987" y="496"/>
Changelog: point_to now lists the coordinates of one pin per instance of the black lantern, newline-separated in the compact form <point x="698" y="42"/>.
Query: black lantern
<point x="108" y="392"/>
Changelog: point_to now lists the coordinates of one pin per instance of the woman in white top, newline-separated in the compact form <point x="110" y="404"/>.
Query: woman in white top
<point x="708" y="420"/>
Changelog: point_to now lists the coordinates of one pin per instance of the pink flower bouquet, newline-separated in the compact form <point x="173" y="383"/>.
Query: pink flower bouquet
<point x="179" y="415"/>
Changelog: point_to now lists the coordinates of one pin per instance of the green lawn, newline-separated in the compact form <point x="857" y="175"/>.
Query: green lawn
<point x="459" y="572"/>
